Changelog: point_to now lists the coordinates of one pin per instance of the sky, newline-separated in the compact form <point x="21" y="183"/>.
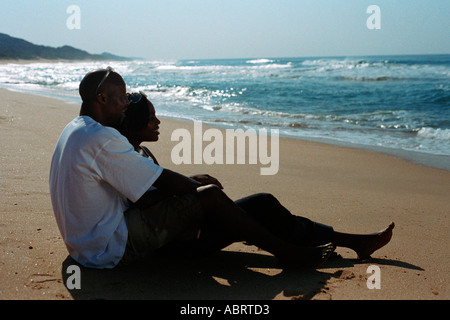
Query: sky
<point x="220" y="29"/>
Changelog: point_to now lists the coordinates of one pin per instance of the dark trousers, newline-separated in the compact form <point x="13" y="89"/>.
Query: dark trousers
<point x="266" y="210"/>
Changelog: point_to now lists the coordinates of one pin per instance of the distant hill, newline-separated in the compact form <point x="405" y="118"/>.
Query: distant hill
<point x="15" y="48"/>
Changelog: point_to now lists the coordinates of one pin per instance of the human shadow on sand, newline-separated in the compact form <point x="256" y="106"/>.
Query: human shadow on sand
<point x="226" y="275"/>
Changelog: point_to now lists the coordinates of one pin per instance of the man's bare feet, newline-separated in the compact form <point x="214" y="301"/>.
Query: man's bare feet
<point x="372" y="242"/>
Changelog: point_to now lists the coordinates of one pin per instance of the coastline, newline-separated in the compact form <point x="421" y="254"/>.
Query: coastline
<point x="436" y="161"/>
<point x="436" y="156"/>
<point x="353" y="190"/>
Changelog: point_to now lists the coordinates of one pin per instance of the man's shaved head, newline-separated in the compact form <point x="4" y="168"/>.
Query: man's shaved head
<point x="88" y="86"/>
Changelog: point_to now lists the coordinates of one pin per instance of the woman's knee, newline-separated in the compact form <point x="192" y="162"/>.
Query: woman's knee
<point x="267" y="197"/>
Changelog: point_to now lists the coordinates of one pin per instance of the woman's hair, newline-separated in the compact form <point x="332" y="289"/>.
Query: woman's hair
<point x="136" y="116"/>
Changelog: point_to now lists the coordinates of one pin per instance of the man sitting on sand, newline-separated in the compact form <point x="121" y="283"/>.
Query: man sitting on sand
<point x="96" y="172"/>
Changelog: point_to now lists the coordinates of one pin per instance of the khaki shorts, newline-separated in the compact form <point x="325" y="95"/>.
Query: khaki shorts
<point x="175" y="219"/>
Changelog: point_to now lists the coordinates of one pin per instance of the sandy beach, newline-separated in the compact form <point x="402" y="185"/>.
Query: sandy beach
<point x="353" y="190"/>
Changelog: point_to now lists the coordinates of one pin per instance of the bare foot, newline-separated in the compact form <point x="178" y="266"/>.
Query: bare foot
<point x="309" y="257"/>
<point x="372" y="242"/>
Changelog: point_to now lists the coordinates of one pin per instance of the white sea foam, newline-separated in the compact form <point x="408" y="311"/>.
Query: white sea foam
<point x="257" y="61"/>
<point x="432" y="133"/>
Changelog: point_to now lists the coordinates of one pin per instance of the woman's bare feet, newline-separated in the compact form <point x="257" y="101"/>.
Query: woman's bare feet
<point x="372" y="242"/>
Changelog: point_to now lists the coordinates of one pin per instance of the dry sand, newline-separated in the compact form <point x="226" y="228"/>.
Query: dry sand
<point x="353" y="190"/>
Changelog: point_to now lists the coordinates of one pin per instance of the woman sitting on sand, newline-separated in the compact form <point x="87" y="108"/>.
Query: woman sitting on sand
<point x="142" y="125"/>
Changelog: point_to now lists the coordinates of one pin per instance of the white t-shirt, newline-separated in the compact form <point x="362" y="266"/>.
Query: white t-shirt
<point x="94" y="171"/>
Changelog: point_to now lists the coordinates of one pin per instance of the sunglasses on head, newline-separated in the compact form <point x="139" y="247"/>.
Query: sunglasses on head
<point x="135" y="97"/>
<point x="108" y="71"/>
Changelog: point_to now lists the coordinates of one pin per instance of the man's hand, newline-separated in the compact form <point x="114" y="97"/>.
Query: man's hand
<point x="206" y="179"/>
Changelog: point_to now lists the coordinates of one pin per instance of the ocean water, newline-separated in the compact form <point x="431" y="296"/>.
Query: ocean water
<point x="394" y="104"/>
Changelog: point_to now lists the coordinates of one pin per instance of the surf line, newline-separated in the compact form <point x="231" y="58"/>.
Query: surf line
<point x="221" y="150"/>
